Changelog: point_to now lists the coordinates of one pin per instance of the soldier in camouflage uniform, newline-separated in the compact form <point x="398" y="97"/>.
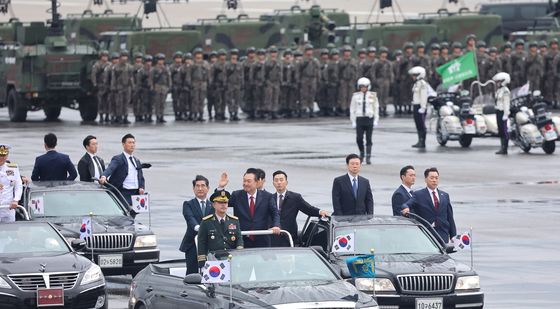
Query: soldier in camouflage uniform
<point x="309" y="77"/>
<point x="199" y="74"/>
<point x="234" y="84"/>
<point x="421" y="59"/>
<point x="333" y="81"/>
<point x="185" y="98"/>
<point x="218" y="77"/>
<point x="145" y="92"/>
<point x="493" y="67"/>
<point x="290" y="81"/>
<point x="211" y="94"/>
<point x="482" y="63"/>
<point x="273" y="77"/>
<point x="137" y="104"/>
<point x="259" y="80"/>
<point x="383" y="69"/>
<point x="107" y="74"/>
<point x="518" y="70"/>
<point x="160" y="83"/>
<point x="505" y="58"/>
<point x="470" y="43"/>
<point x="99" y="85"/>
<point x="444" y="52"/>
<point x="435" y="61"/>
<point x="298" y="60"/>
<point x="456" y="50"/>
<point x="322" y="87"/>
<point x="248" y="85"/>
<point x="405" y="80"/>
<point x="363" y="65"/>
<point x="368" y="69"/>
<point x="549" y="71"/>
<point x="348" y="74"/>
<point x="543" y="48"/>
<point x="534" y="67"/>
<point x="176" y="69"/>
<point x="122" y="83"/>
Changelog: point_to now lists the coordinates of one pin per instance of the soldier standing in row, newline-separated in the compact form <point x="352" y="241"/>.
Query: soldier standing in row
<point x="456" y="50"/>
<point x="146" y="93"/>
<point x="219" y="80"/>
<point x="348" y="74"/>
<point x="110" y="94"/>
<point x="259" y="80"/>
<point x="248" y="84"/>
<point x="493" y="66"/>
<point x="332" y="81"/>
<point x="421" y="59"/>
<point x="384" y="73"/>
<point x="185" y="97"/>
<point x="176" y="69"/>
<point x="505" y="58"/>
<point x="273" y="77"/>
<point x="160" y="82"/>
<point x="549" y="71"/>
<point x="298" y="60"/>
<point x="534" y="67"/>
<point x="137" y="104"/>
<point x="309" y="74"/>
<point x="518" y="70"/>
<point x="122" y="83"/>
<point x="99" y="86"/>
<point x="234" y="84"/>
<point x="395" y="92"/>
<point x="288" y="99"/>
<point x="200" y="73"/>
<point x="211" y="93"/>
<point x="322" y="87"/>
<point x="405" y="80"/>
<point x="435" y="61"/>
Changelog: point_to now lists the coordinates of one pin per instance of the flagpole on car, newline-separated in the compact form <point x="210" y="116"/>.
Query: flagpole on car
<point x="91" y="225"/>
<point x="471" y="243"/>
<point x="372" y="251"/>
<point x="231" y="305"/>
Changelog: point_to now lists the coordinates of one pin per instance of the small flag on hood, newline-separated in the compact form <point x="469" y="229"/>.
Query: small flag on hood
<point x="216" y="272"/>
<point x="85" y="228"/>
<point x="140" y="203"/>
<point x="462" y="241"/>
<point x="344" y="243"/>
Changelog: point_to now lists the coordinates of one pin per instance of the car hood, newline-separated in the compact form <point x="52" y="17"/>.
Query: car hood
<point x="70" y="226"/>
<point x="66" y="262"/>
<point x="308" y="291"/>
<point x="401" y="264"/>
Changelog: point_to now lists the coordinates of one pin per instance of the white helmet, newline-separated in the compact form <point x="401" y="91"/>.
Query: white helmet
<point x="419" y="71"/>
<point x="364" y="81"/>
<point x="502" y="77"/>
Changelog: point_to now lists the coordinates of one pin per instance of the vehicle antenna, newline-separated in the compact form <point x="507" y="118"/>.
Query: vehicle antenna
<point x="231" y="305"/>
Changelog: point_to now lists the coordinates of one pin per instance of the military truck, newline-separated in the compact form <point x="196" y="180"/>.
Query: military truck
<point x="40" y="70"/>
<point x="86" y="27"/>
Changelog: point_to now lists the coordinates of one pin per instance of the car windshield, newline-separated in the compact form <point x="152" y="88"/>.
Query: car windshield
<point x="279" y="266"/>
<point x="30" y="239"/>
<point x="74" y="203"/>
<point x="389" y="239"/>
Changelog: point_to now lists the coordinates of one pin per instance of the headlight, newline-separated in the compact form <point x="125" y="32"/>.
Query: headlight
<point x="4" y="284"/>
<point x="145" y="241"/>
<point x="93" y="274"/>
<point x="467" y="283"/>
<point x="381" y="284"/>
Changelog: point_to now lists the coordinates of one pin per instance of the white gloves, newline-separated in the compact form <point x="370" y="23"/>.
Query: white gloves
<point x="196" y="227"/>
<point x="375" y="123"/>
<point x="353" y="125"/>
<point x="422" y="110"/>
<point x="504" y="117"/>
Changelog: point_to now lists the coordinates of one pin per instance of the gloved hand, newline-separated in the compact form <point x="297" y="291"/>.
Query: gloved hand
<point x="422" y="110"/>
<point x="504" y="117"/>
<point x="353" y="125"/>
<point x="375" y="123"/>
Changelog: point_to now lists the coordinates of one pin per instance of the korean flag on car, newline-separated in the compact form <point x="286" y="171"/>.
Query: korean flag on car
<point x="36" y="204"/>
<point x="462" y="241"/>
<point x="140" y="203"/>
<point x="85" y="228"/>
<point x="216" y="272"/>
<point x="344" y="243"/>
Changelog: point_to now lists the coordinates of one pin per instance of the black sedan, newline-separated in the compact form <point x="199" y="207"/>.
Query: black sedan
<point x="413" y="269"/>
<point x="271" y="278"/>
<point x="120" y="245"/>
<point x="38" y="268"/>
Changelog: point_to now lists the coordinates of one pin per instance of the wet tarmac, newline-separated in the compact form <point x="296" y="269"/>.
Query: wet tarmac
<point x="511" y="203"/>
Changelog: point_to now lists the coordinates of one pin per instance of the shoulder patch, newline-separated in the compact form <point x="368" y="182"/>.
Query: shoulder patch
<point x="11" y="164"/>
<point x="233" y="217"/>
<point x="208" y="217"/>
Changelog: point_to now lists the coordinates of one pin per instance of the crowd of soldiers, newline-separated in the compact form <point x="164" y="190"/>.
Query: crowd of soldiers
<point x="268" y="86"/>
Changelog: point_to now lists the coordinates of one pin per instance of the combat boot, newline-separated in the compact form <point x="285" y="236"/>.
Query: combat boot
<point x="311" y="113"/>
<point x="368" y="155"/>
<point x="101" y="118"/>
<point x="361" y="156"/>
<point x="107" y="119"/>
<point x="178" y="116"/>
<point x="503" y="148"/>
<point x="148" y="118"/>
<point x="421" y="142"/>
<point x="125" y="120"/>
<point x="274" y="115"/>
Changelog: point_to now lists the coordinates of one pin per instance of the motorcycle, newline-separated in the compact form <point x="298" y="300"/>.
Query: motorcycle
<point x="531" y="123"/>
<point x="453" y="122"/>
<point x="484" y="111"/>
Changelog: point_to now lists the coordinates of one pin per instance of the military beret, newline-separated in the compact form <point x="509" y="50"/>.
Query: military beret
<point x="220" y="196"/>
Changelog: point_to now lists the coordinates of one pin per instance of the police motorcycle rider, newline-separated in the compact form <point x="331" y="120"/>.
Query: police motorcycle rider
<point x="364" y="114"/>
<point x="503" y="100"/>
<point x="419" y="102"/>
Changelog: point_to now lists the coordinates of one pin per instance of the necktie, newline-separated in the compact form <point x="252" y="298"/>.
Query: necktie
<point x="410" y="192"/>
<point x="203" y="207"/>
<point x="223" y="224"/>
<point x="280" y="201"/>
<point x="436" y="201"/>
<point x="355" y="187"/>
<point x="364" y="106"/>
<point x="98" y="165"/>
<point x="132" y="161"/>
<point x="252" y="206"/>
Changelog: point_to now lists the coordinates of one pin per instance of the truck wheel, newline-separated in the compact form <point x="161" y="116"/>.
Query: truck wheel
<point x="52" y="112"/>
<point x="88" y="108"/>
<point x="16" y="110"/>
<point x="465" y="140"/>
<point x="549" y="147"/>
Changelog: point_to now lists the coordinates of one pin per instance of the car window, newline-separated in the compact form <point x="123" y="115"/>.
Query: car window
<point x="532" y="11"/>
<point x="507" y="12"/>
<point x="389" y="239"/>
<point x="279" y="265"/>
<point x="75" y="203"/>
<point x="30" y="239"/>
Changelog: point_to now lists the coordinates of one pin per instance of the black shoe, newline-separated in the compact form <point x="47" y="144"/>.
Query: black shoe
<point x="178" y="117"/>
<point x="368" y="160"/>
<point x="361" y="156"/>
<point x="101" y="118"/>
<point x="311" y="114"/>
<point x="125" y="120"/>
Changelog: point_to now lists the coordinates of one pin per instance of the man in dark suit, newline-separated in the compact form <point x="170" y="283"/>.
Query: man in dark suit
<point x="193" y="211"/>
<point x="434" y="206"/>
<point x="53" y="165"/>
<point x="404" y="191"/>
<point x="125" y="171"/>
<point x="351" y="193"/>
<point x="289" y="204"/>
<point x="255" y="209"/>
<point x="90" y="165"/>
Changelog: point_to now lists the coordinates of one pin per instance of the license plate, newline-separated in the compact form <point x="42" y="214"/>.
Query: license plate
<point x="429" y="303"/>
<point x="550" y="135"/>
<point x="470" y="129"/>
<point x="50" y="297"/>
<point x="110" y="261"/>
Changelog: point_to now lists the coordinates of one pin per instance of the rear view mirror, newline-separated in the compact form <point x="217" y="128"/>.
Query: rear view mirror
<point x="450" y="248"/>
<point x="78" y="244"/>
<point x="192" y="279"/>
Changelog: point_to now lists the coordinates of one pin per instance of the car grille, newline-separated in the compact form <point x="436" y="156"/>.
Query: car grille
<point x="30" y="282"/>
<point x="425" y="283"/>
<point x="109" y="241"/>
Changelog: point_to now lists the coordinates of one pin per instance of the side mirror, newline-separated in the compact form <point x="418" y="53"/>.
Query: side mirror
<point x="78" y="244"/>
<point x="192" y="279"/>
<point x="449" y="249"/>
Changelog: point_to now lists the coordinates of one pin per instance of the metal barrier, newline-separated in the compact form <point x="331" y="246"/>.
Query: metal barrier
<point x="259" y="233"/>
<point x="25" y="213"/>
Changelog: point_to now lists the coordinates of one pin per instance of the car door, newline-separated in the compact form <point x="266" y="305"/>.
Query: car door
<point x="169" y="292"/>
<point x="315" y="233"/>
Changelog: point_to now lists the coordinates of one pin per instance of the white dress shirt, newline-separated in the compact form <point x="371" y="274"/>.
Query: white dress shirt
<point x="408" y="189"/>
<point x="131" y="180"/>
<point x="432" y="195"/>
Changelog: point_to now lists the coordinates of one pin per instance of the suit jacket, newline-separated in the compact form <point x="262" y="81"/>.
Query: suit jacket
<point x="53" y="166"/>
<point x="421" y="204"/>
<point x="399" y="198"/>
<point x="266" y="213"/>
<point x="86" y="167"/>
<point x="117" y="171"/>
<point x="344" y="202"/>
<point x="193" y="216"/>
<point x="292" y="205"/>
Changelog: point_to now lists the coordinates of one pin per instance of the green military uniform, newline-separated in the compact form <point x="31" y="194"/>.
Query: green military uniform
<point x="214" y="236"/>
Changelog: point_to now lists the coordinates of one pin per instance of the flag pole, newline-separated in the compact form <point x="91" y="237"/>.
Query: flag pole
<point x="231" y="305"/>
<point x="372" y="251"/>
<point x="477" y="73"/>
<point x="149" y="210"/>
<point x="472" y="264"/>
<point x="91" y="225"/>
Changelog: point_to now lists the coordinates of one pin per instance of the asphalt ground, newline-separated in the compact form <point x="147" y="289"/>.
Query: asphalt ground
<point x="511" y="202"/>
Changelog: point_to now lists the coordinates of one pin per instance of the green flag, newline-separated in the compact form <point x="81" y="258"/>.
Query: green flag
<point x="457" y="70"/>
